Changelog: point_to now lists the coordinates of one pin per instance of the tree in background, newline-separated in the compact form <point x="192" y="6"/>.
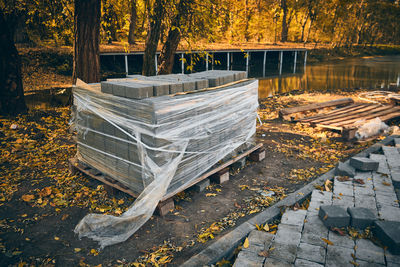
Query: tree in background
<point x="174" y="36"/>
<point x="156" y="15"/>
<point x="132" y="23"/>
<point x="86" y="64"/>
<point x="11" y="90"/>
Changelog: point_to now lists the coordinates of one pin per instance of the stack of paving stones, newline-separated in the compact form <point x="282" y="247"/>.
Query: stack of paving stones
<point x="299" y="239"/>
<point x="113" y="152"/>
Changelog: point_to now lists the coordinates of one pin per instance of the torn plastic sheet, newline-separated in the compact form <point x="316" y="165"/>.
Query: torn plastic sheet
<point x="172" y="140"/>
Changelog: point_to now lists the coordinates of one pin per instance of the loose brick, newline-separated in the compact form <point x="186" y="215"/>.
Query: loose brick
<point x="388" y="232"/>
<point x="364" y="164"/>
<point x="361" y="218"/>
<point x="334" y="216"/>
<point x="344" y="169"/>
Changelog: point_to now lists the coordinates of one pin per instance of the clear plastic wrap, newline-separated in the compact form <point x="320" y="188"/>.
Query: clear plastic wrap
<point x="157" y="146"/>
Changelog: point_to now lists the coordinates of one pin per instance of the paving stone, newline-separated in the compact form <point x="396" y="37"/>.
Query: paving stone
<point x="383" y="166"/>
<point x="382" y="183"/>
<point x="334" y="216"/>
<point x="295" y="218"/>
<point x="313" y="239"/>
<point x="386" y="199"/>
<point x="341" y="241"/>
<point x="389" y="213"/>
<point x="286" y="252"/>
<point x="396" y="179"/>
<point x="388" y="232"/>
<point x="321" y="195"/>
<point x="392" y="156"/>
<point x="396" y="142"/>
<point x="364" y="190"/>
<point x="315" y="204"/>
<point x="369" y="252"/>
<point x="345" y="190"/>
<point x="287" y="234"/>
<point x="311" y="252"/>
<point x="246" y="258"/>
<point x="392" y="264"/>
<point x="361" y="218"/>
<point x="202" y="185"/>
<point x="260" y="238"/>
<point x="362" y="263"/>
<point x="338" y="256"/>
<point x="343" y="201"/>
<point x="391" y="257"/>
<point x="306" y="263"/>
<point x="364" y="164"/>
<point x="366" y="202"/>
<point x="271" y="262"/>
<point x="344" y="169"/>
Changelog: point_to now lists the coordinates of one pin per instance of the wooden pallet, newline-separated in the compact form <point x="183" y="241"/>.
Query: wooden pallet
<point x="219" y="173"/>
<point x="344" y="119"/>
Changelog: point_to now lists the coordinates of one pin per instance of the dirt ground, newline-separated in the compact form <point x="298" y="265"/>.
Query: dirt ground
<point x="41" y="202"/>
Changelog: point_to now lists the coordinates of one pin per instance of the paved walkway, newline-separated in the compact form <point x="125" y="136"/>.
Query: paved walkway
<point x="298" y="241"/>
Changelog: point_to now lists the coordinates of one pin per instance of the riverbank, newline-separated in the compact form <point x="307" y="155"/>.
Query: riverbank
<point x="49" y="67"/>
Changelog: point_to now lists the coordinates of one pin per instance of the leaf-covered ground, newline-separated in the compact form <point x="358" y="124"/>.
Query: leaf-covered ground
<point x="41" y="202"/>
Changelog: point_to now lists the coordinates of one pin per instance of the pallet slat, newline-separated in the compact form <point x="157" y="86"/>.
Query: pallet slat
<point x="366" y="117"/>
<point x="344" y="114"/>
<point x="333" y="112"/>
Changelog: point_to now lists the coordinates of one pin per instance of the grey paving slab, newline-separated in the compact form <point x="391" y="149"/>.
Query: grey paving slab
<point x="364" y="190"/>
<point x="295" y="218"/>
<point x="311" y="253"/>
<point x="334" y="216"/>
<point x="287" y="234"/>
<point x="345" y="190"/>
<point x="361" y="218"/>
<point x="392" y="264"/>
<point x="271" y="262"/>
<point x="246" y="258"/>
<point x="341" y="241"/>
<point x="389" y="213"/>
<point x="392" y="156"/>
<point x="343" y="201"/>
<point x="391" y="257"/>
<point x="260" y="238"/>
<point x="286" y="252"/>
<point x="306" y="263"/>
<point x="364" y="164"/>
<point x="338" y="181"/>
<point x="367" y="251"/>
<point x="362" y="263"/>
<point x="383" y="166"/>
<point x="386" y="199"/>
<point x="339" y="256"/>
<point x="344" y="169"/>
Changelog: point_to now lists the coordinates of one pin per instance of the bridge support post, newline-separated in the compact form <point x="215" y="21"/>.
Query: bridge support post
<point x="206" y="61"/>
<point x="264" y="61"/>
<point x="182" y="63"/>
<point x="295" y="61"/>
<point x="247" y="63"/>
<point x="126" y="64"/>
<point x="280" y="62"/>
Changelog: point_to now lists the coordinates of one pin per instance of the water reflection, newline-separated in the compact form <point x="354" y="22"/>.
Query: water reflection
<point x="369" y="73"/>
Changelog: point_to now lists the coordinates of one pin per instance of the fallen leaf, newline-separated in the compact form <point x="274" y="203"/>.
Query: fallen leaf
<point x="328" y="184"/>
<point x="65" y="216"/>
<point x="343" y="178"/>
<point x="327" y="241"/>
<point x="325" y="217"/>
<point x="246" y="243"/>
<point x="263" y="253"/>
<point x="211" y="195"/>
<point x="386" y="183"/>
<point x="77" y="250"/>
<point x="266" y="227"/>
<point x="359" y="181"/>
<point x="354" y="263"/>
<point x="56" y="238"/>
<point x="338" y="230"/>
<point x="27" y="198"/>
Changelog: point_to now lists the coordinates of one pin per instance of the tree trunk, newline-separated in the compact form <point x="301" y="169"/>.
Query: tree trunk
<point x="86" y="64"/>
<point x="284" y="33"/>
<point x="173" y="38"/>
<point x="153" y="36"/>
<point x="11" y="89"/>
<point x="132" y="24"/>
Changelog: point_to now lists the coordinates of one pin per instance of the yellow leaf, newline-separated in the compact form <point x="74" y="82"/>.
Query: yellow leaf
<point x="19" y="141"/>
<point x="266" y="227"/>
<point x="94" y="252"/>
<point x="327" y="241"/>
<point x="121" y="201"/>
<point x="77" y="250"/>
<point x="56" y="238"/>
<point x="211" y="195"/>
<point x="246" y="243"/>
<point x="27" y="198"/>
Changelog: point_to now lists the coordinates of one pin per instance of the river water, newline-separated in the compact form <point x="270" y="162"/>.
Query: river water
<point x="366" y="73"/>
